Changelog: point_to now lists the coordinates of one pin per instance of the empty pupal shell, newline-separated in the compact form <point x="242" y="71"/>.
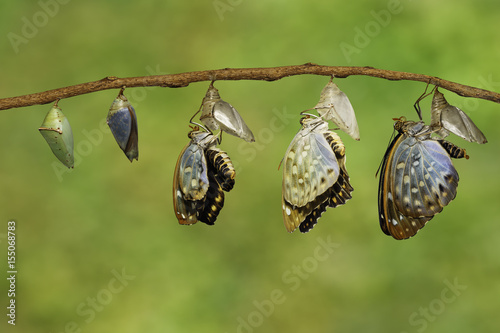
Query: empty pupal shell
<point x="334" y="105"/>
<point x="449" y="118"/>
<point x="57" y="132"/>
<point x="122" y="121"/>
<point x="216" y="113"/>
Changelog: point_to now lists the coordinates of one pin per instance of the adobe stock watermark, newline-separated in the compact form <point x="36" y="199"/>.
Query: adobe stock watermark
<point x="31" y="26"/>
<point x="363" y="36"/>
<point x="95" y="136"/>
<point x="427" y="314"/>
<point x="88" y="309"/>
<point x="472" y="104"/>
<point x="266" y="135"/>
<point x="292" y="279"/>
<point x="222" y="6"/>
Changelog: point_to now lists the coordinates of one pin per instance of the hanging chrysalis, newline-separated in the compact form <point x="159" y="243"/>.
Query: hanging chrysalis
<point x="216" y="113"/>
<point x="449" y="118"/>
<point x="122" y="121"/>
<point x="57" y="132"/>
<point x="314" y="175"/>
<point x="334" y="105"/>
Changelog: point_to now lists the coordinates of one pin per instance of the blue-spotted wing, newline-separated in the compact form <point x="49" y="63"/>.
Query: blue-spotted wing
<point x="417" y="179"/>
<point x="202" y="173"/>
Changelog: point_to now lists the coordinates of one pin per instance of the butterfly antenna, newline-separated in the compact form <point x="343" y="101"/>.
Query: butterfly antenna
<point x="199" y="109"/>
<point x="279" y="166"/>
<point x="305" y="113"/>
<point x="200" y="126"/>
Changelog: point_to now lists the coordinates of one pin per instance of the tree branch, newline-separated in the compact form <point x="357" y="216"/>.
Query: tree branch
<point x="265" y="74"/>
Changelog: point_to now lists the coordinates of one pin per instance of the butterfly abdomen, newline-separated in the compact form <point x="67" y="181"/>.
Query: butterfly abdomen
<point x="340" y="192"/>
<point x="225" y="172"/>
<point x="453" y="150"/>
<point x="210" y="207"/>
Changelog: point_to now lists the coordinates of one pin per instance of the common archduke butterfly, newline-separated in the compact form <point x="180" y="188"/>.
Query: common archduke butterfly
<point x="202" y="173"/>
<point x="314" y="175"/>
<point x="417" y="179"/>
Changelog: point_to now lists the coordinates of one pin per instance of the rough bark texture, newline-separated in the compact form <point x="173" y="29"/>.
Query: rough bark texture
<point x="265" y="74"/>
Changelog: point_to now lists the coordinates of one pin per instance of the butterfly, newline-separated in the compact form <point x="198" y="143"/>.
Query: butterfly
<point x="202" y="173"/>
<point x="417" y="179"/>
<point x="314" y="175"/>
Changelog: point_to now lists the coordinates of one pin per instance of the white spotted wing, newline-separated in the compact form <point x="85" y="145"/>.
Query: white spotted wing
<point x="312" y="178"/>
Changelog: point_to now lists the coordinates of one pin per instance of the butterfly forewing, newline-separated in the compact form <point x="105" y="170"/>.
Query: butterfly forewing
<point x="336" y="195"/>
<point x="310" y="166"/>
<point x="392" y="222"/>
<point x="193" y="179"/>
<point x="425" y="179"/>
<point x="312" y="177"/>
<point x="185" y="210"/>
<point x="417" y="180"/>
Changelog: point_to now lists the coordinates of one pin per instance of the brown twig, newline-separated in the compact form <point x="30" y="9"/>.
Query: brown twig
<point x="265" y="74"/>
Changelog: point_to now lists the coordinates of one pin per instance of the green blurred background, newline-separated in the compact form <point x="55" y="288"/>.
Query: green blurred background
<point x="78" y="230"/>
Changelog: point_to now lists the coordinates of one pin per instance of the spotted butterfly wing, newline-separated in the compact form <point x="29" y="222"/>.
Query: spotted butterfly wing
<point x="336" y="195"/>
<point x="417" y="179"/>
<point x="310" y="175"/>
<point x="202" y="172"/>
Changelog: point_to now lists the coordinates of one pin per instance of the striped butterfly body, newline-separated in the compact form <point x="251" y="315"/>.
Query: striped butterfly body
<point x="202" y="173"/>
<point x="417" y="179"/>
<point x="314" y="175"/>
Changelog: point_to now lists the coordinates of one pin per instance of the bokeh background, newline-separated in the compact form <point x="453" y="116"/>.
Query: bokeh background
<point x="99" y="248"/>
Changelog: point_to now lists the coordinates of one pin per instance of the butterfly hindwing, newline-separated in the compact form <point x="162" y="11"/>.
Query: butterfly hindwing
<point x="185" y="209"/>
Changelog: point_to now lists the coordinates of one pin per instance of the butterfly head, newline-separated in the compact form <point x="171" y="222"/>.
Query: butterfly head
<point x="313" y="123"/>
<point x="410" y="127"/>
